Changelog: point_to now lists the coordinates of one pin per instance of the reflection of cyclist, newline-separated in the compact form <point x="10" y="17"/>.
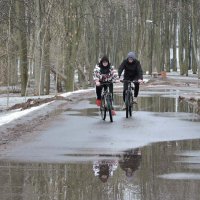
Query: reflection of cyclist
<point x="103" y="72"/>
<point x="132" y="72"/>
<point x="130" y="161"/>
<point x="104" y="169"/>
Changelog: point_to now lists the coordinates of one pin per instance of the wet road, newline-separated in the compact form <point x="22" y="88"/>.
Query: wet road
<point x="153" y="155"/>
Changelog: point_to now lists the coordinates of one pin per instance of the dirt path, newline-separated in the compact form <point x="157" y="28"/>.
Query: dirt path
<point x="36" y="120"/>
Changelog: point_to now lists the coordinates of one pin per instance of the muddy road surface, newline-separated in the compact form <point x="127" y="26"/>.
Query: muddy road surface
<point x="74" y="154"/>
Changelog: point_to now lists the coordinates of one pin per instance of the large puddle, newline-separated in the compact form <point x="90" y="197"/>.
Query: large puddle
<point x="151" y="170"/>
<point x="169" y="170"/>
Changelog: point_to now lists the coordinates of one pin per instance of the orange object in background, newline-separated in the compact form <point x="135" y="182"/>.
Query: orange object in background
<point x="163" y="74"/>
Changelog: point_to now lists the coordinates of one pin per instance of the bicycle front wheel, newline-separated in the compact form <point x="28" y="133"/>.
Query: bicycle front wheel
<point x="103" y="108"/>
<point x="128" y="104"/>
<point x="109" y="107"/>
<point x="130" y="111"/>
<point x="110" y="114"/>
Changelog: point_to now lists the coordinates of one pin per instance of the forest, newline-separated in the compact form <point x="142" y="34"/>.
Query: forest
<point x="61" y="40"/>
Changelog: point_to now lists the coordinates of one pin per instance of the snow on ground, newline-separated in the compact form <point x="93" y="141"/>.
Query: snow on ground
<point x="8" y="116"/>
<point x="8" y="102"/>
<point x="12" y="115"/>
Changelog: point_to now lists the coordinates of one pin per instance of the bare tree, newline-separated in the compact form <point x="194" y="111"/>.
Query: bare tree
<point x="22" y="44"/>
<point x="66" y="38"/>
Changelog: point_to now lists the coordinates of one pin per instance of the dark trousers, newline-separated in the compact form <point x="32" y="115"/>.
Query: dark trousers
<point x="99" y="90"/>
<point x="136" y="91"/>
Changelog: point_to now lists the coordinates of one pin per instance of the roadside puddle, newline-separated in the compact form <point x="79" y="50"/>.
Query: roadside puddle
<point x="135" y="172"/>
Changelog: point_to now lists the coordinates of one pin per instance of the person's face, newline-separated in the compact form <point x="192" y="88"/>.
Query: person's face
<point x="129" y="172"/>
<point x="130" y="60"/>
<point x="103" y="178"/>
<point x="105" y="63"/>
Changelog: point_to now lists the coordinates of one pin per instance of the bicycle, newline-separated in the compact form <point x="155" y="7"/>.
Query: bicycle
<point x="129" y="97"/>
<point x="106" y="102"/>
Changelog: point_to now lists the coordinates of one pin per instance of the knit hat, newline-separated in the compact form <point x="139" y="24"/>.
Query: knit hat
<point x="131" y="55"/>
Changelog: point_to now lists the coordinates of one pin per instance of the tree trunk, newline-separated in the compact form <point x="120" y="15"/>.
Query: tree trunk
<point x="37" y="52"/>
<point x="195" y="39"/>
<point x="45" y="64"/>
<point x="22" y="44"/>
<point x="47" y="59"/>
<point x="174" y="64"/>
<point x="72" y="28"/>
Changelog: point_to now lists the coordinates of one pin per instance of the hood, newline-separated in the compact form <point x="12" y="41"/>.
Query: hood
<point x="104" y="58"/>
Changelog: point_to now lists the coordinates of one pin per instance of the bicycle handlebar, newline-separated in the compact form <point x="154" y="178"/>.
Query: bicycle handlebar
<point x="106" y="83"/>
<point x="129" y="81"/>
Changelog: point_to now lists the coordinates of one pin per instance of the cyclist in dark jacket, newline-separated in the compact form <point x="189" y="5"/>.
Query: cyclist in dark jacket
<point x="132" y="72"/>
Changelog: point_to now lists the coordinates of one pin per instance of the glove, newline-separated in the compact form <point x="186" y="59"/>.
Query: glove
<point x="97" y="83"/>
<point x="104" y="77"/>
<point x="140" y="81"/>
<point x="121" y="79"/>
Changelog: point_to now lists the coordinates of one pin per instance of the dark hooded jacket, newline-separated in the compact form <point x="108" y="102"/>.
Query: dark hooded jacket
<point x="132" y="71"/>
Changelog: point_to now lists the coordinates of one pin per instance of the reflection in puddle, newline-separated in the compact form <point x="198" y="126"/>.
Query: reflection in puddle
<point x="189" y="160"/>
<point x="129" y="162"/>
<point x="104" y="169"/>
<point x="160" y="103"/>
<point x="190" y="154"/>
<point x="70" y="181"/>
<point x="134" y="174"/>
<point x="181" y="176"/>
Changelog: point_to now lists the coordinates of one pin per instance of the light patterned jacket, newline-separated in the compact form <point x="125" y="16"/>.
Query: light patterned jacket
<point x="102" y="75"/>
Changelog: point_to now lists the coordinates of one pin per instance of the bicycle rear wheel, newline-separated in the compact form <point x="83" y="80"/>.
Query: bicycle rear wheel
<point x="103" y="108"/>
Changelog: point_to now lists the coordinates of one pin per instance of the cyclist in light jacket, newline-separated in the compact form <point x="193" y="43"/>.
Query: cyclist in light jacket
<point x="104" y="72"/>
<point x="132" y="72"/>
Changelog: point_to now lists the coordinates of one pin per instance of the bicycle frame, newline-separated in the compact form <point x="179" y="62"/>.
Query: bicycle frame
<point x="106" y="102"/>
<point x="129" y="98"/>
